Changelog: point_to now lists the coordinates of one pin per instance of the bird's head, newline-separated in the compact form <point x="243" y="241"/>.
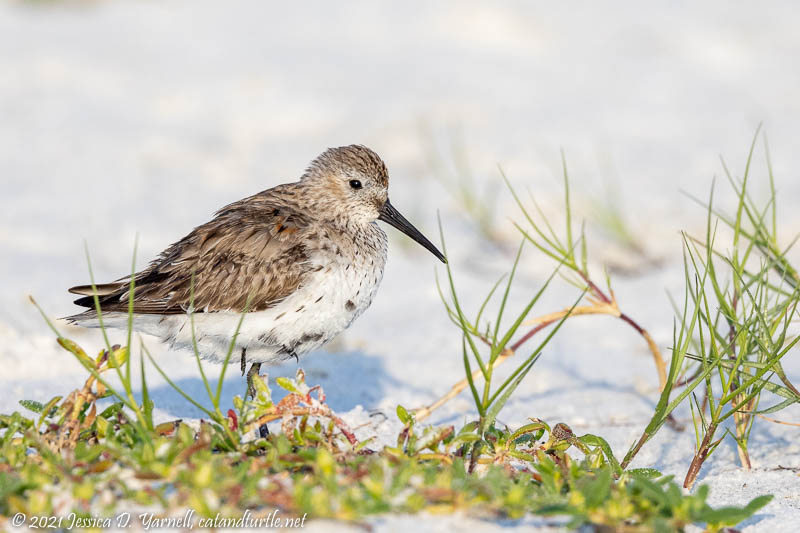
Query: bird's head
<point x="352" y="181"/>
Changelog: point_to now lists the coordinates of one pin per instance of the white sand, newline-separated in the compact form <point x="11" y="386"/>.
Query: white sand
<point x="124" y="118"/>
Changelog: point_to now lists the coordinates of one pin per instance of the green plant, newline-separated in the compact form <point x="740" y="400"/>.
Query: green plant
<point x="573" y="268"/>
<point x="489" y="402"/>
<point x="734" y="328"/>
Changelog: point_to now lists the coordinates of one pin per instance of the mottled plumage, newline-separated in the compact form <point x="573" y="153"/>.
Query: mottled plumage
<point x="308" y="256"/>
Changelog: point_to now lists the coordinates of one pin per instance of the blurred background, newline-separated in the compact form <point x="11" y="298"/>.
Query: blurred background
<point x="126" y="118"/>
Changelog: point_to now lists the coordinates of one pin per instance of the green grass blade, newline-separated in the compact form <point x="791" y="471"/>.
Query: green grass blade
<point x="228" y="355"/>
<point x="496" y="349"/>
<point x="131" y="295"/>
<point x="497" y="404"/>
<point x="147" y="404"/>
<point x="95" y="296"/>
<point x="172" y="384"/>
<point x="468" y="369"/>
<point x="195" y="348"/>
<point x="535" y="354"/>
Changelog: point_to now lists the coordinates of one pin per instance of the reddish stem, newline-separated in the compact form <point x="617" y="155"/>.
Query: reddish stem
<point x="539" y="327"/>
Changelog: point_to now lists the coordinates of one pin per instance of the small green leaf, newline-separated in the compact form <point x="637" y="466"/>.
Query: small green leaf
<point x="263" y="394"/>
<point x="325" y="462"/>
<point x="238" y="402"/>
<point x="48" y="409"/>
<point x="522" y="456"/>
<point x="76" y="350"/>
<point x="118" y="357"/>
<point x="111" y="410"/>
<point x="594" y="440"/>
<point x="32" y="405"/>
<point x="597" y="490"/>
<point x="647" y="473"/>
<point x="287" y="384"/>
<point x="403" y="415"/>
<point x="102" y="426"/>
<point x="464" y="438"/>
<point x="537" y="428"/>
<point x="730" y="516"/>
<point x="360" y="446"/>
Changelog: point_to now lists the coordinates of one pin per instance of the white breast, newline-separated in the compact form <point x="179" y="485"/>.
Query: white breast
<point x="329" y="301"/>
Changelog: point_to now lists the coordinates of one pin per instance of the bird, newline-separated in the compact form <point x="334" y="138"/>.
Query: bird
<point x="301" y="260"/>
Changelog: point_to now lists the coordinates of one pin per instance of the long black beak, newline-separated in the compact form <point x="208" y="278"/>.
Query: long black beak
<point x="391" y="216"/>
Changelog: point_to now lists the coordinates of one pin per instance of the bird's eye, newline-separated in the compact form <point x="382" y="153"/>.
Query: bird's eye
<point x="355" y="184"/>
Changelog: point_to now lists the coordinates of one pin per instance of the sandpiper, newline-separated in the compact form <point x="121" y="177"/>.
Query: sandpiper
<point x="307" y="256"/>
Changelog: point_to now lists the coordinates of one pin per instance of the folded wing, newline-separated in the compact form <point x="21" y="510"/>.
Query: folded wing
<point x="254" y="248"/>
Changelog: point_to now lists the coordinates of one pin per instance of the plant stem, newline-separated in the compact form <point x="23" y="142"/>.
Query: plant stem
<point x="633" y="451"/>
<point x="700" y="457"/>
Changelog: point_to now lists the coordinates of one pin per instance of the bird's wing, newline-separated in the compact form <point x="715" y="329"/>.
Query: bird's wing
<point x="254" y="248"/>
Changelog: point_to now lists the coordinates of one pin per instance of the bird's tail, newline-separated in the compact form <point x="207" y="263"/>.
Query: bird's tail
<point x="89" y="319"/>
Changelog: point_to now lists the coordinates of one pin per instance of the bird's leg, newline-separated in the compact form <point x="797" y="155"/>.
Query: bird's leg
<point x="252" y="374"/>
<point x="243" y="362"/>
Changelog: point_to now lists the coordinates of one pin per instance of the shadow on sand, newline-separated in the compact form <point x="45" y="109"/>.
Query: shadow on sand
<point x="348" y="379"/>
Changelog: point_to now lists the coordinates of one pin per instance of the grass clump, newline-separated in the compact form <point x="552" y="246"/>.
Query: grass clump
<point x="734" y="327"/>
<point x="568" y="250"/>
